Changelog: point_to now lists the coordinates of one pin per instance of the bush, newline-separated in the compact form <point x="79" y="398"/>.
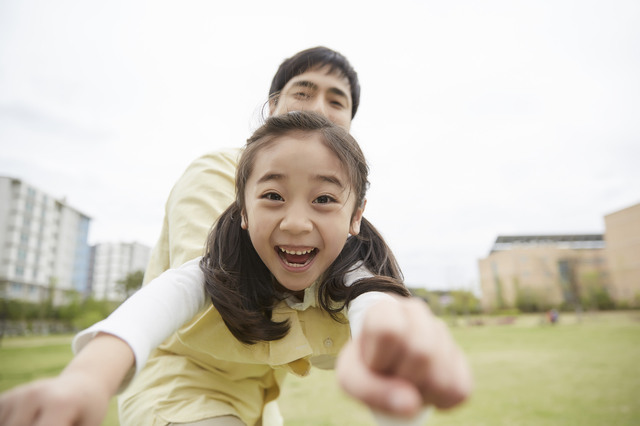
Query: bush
<point x="464" y="302"/>
<point x="17" y="310"/>
<point x="532" y="300"/>
<point x="597" y="297"/>
<point x="87" y="319"/>
<point x="79" y="314"/>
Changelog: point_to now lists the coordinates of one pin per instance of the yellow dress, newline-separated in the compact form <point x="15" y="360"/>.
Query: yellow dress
<point x="202" y="371"/>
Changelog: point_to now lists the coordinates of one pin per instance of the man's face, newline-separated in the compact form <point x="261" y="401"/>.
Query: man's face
<point x="317" y="90"/>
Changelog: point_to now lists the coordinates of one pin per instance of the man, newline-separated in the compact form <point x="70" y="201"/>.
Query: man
<point x="316" y="79"/>
<point x="402" y="359"/>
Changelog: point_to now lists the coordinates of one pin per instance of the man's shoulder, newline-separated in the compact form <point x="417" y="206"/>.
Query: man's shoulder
<point x="209" y="171"/>
<point x="223" y="156"/>
<point x="222" y="161"/>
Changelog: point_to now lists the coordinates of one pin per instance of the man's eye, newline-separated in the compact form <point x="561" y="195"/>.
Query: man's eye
<point x="301" y="95"/>
<point x="324" y="199"/>
<point x="338" y="104"/>
<point x="273" y="196"/>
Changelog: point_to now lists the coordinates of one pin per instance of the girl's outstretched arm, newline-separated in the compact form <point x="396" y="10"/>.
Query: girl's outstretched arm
<point x="104" y="363"/>
<point x="402" y="358"/>
<point x="78" y="396"/>
<point x="153" y="313"/>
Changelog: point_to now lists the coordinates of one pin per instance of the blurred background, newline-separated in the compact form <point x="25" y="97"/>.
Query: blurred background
<point x="479" y="119"/>
<point x="504" y="144"/>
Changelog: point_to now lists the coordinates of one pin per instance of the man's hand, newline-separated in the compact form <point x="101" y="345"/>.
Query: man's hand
<point x="404" y="359"/>
<point x="67" y="400"/>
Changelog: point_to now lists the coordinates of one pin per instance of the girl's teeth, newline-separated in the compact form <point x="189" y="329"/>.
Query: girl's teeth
<point x="296" y="252"/>
<point x="297" y="265"/>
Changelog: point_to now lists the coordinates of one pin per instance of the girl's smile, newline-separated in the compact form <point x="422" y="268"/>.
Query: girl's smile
<point x="296" y="259"/>
<point x="299" y="209"/>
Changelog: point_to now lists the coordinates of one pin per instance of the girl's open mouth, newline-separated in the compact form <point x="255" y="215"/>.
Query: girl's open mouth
<point x="296" y="258"/>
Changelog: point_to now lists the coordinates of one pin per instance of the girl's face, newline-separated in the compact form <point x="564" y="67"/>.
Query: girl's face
<point x="299" y="209"/>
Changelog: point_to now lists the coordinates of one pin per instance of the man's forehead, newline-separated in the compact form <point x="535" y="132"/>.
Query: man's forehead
<point x="323" y="72"/>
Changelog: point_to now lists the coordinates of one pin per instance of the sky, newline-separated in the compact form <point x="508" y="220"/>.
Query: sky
<point x="478" y="119"/>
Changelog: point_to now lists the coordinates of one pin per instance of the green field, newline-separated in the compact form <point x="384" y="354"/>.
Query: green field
<point x="574" y="373"/>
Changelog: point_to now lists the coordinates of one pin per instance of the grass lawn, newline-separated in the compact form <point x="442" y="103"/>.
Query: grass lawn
<point x="575" y="373"/>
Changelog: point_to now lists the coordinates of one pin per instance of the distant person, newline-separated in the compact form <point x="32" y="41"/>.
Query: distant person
<point x="398" y="325"/>
<point x="553" y="316"/>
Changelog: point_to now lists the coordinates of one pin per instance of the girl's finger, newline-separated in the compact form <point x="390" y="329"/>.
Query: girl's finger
<point x="384" y="333"/>
<point x="388" y="394"/>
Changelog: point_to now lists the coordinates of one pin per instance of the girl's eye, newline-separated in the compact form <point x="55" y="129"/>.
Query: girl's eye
<point x="273" y="196"/>
<point x="324" y="199"/>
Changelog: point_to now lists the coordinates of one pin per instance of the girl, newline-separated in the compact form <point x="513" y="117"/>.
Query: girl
<point x="283" y="276"/>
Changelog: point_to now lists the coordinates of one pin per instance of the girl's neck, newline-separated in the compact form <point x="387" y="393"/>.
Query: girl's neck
<point x="282" y="289"/>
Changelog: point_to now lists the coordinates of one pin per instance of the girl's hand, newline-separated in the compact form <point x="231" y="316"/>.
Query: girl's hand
<point x="404" y="359"/>
<point x="79" y="396"/>
<point x="67" y="400"/>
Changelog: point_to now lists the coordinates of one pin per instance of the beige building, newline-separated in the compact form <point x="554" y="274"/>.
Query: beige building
<point x="623" y="253"/>
<point x="542" y="271"/>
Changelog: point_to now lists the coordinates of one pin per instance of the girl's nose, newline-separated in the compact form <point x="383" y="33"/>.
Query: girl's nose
<point x="296" y="221"/>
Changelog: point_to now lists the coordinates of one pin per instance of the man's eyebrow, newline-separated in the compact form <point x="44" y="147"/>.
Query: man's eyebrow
<point x="331" y="179"/>
<point x="305" y="83"/>
<point x="271" y="176"/>
<point x="338" y="92"/>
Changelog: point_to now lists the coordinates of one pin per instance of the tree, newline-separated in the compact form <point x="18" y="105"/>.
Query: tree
<point x="131" y="283"/>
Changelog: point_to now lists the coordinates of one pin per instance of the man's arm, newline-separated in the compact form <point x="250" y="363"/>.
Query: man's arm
<point x="203" y="192"/>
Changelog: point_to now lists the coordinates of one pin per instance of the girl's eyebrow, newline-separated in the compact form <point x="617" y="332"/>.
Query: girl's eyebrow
<point x="271" y="176"/>
<point x="331" y="179"/>
<point x="279" y="176"/>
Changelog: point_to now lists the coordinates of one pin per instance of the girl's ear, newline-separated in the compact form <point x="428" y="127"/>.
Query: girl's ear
<point x="244" y="224"/>
<point x="354" y="229"/>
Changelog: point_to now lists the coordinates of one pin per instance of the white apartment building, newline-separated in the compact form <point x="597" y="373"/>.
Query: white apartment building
<point x="111" y="263"/>
<point x="43" y="245"/>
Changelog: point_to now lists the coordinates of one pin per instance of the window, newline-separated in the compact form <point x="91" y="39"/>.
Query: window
<point x="19" y="271"/>
<point x="16" y="288"/>
<point x="33" y="289"/>
<point x="24" y="238"/>
<point x="22" y="254"/>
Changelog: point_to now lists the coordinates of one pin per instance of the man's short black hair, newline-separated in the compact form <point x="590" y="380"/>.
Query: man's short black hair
<point x="314" y="58"/>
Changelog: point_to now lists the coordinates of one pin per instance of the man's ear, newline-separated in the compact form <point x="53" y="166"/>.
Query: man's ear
<point x="273" y="103"/>
<point x="354" y="229"/>
<point x="244" y="224"/>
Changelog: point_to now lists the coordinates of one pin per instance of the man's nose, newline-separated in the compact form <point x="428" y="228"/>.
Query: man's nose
<point x="319" y="105"/>
<point x="296" y="221"/>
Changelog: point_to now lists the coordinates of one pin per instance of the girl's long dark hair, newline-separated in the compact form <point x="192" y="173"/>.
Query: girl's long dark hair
<point x="240" y="285"/>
